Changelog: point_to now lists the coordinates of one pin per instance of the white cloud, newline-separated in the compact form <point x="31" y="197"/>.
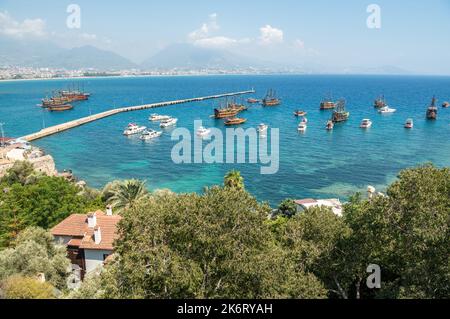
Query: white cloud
<point x="270" y="35"/>
<point x="206" y="29"/>
<point x="299" y="44"/>
<point x="13" y="28"/>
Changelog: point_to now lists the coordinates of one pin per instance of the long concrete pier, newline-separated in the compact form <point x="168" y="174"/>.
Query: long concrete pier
<point x="68" y="125"/>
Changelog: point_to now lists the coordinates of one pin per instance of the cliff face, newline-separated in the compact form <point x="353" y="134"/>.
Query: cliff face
<point x="44" y="164"/>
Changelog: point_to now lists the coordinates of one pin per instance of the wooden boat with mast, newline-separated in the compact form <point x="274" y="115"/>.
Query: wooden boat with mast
<point x="340" y="114"/>
<point x="380" y="102"/>
<point x="327" y="103"/>
<point x="234" y="121"/>
<point x="75" y="94"/>
<point x="432" y="110"/>
<point x="271" y="99"/>
<point x="60" y="108"/>
<point x="230" y="110"/>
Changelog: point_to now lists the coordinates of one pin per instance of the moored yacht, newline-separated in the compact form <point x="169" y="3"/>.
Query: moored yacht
<point x="302" y="127"/>
<point x="203" y="131"/>
<point x="262" y="128"/>
<point x="409" y="123"/>
<point x="330" y="125"/>
<point x="169" y="122"/>
<point x="366" y="123"/>
<point x="387" y="110"/>
<point x="133" y="128"/>
<point x="150" y="134"/>
<point x="157" y="117"/>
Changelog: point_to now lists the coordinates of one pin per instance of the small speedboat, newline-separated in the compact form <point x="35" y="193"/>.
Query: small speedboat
<point x="302" y="127"/>
<point x="409" y="123"/>
<point x="300" y="113"/>
<point x="330" y="125"/>
<point x="169" y="122"/>
<point x="133" y="128"/>
<point x="203" y="131"/>
<point x="366" y="123"/>
<point x="262" y="128"/>
<point x="157" y="117"/>
<point x="150" y="134"/>
<point x="387" y="110"/>
<point x="445" y="104"/>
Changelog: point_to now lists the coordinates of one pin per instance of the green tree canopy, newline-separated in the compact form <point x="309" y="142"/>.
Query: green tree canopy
<point x="34" y="252"/>
<point x="214" y="245"/>
<point x="43" y="203"/>
<point x="233" y="179"/>
<point x="125" y="195"/>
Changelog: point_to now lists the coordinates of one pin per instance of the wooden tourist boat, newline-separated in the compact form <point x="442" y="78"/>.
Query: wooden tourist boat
<point x="60" y="108"/>
<point x="271" y="99"/>
<point x="235" y="121"/>
<point x="300" y="113"/>
<point x="340" y="114"/>
<point x="327" y="104"/>
<point x="432" y="110"/>
<point x="380" y="102"/>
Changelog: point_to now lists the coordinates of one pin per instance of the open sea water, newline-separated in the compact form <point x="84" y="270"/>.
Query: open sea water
<point x="317" y="164"/>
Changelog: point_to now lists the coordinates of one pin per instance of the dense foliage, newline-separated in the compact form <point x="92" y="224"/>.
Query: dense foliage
<point x="30" y="199"/>
<point x="34" y="252"/>
<point x="19" y="287"/>
<point x="222" y="243"/>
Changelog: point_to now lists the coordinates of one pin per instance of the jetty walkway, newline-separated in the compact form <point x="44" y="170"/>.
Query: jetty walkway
<point x="68" y="125"/>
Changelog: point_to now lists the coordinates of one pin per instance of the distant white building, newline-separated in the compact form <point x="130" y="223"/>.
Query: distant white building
<point x="333" y="203"/>
<point x="89" y="238"/>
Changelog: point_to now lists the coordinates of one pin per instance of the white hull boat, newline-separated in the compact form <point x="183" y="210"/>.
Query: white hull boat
<point x="366" y="123"/>
<point x="157" y="117"/>
<point x="169" y="122"/>
<point x="202" y="132"/>
<point x="133" y="129"/>
<point x="150" y="134"/>
<point x="387" y="110"/>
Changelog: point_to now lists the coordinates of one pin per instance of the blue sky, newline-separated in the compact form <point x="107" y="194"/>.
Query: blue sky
<point x="414" y="35"/>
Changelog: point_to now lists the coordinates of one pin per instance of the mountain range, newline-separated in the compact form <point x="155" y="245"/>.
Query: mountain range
<point x="183" y="56"/>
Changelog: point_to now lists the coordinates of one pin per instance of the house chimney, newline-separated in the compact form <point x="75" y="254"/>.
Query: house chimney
<point x="92" y="220"/>
<point x="109" y="211"/>
<point x="97" y="235"/>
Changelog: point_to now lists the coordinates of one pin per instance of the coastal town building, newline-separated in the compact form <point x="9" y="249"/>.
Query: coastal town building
<point x="334" y="204"/>
<point x="89" y="238"/>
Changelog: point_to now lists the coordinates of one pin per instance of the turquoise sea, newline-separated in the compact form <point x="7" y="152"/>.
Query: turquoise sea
<point x="315" y="164"/>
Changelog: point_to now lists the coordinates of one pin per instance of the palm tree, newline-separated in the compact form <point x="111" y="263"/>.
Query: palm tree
<point x="233" y="179"/>
<point x="125" y="194"/>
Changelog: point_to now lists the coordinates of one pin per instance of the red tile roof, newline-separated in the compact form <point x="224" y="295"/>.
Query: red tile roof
<point x="76" y="226"/>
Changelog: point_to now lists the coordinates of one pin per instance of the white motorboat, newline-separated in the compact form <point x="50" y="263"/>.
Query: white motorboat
<point x="203" y="131"/>
<point x="169" y="122"/>
<point x="133" y="128"/>
<point x="302" y="127"/>
<point x="366" y="123"/>
<point x="409" y="123"/>
<point x="387" y="110"/>
<point x="157" y="117"/>
<point x="150" y="134"/>
<point x="262" y="128"/>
